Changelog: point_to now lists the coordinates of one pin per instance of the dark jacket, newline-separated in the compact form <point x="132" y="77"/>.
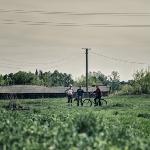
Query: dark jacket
<point x="98" y="92"/>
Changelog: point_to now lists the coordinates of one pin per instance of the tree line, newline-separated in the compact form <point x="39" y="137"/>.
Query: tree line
<point x="40" y="78"/>
<point x="57" y="78"/>
<point x="139" y="84"/>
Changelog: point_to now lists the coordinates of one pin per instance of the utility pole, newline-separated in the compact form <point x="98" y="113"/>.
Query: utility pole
<point x="86" y="69"/>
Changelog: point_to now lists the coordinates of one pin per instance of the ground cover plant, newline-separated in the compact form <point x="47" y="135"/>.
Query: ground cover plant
<point x="50" y="124"/>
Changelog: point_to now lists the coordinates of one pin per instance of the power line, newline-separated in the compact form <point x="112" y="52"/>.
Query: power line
<point x="29" y="63"/>
<point x="72" y="59"/>
<point x="72" y="13"/>
<point x="141" y="63"/>
<point x="9" y="67"/>
<point x="72" y="24"/>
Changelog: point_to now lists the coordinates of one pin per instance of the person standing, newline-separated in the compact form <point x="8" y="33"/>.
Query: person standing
<point x="80" y="95"/>
<point x="70" y="93"/>
<point x="98" y="96"/>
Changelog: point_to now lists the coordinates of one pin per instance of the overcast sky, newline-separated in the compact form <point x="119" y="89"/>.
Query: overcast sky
<point x="49" y="35"/>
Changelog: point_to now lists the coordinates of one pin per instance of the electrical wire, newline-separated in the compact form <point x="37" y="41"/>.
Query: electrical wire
<point x="141" y="63"/>
<point x="9" y="67"/>
<point x="71" y="24"/>
<point x="71" y="59"/>
<point x="29" y="63"/>
<point x="72" y="13"/>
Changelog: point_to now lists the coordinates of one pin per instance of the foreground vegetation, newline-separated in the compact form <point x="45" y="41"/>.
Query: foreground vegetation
<point x="50" y="124"/>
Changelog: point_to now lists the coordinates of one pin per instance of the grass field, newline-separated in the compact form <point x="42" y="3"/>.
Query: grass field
<point x="50" y="124"/>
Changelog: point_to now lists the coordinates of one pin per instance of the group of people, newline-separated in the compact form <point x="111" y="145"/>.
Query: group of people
<point x="80" y="93"/>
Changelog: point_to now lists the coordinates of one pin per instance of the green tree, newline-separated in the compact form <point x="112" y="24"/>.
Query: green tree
<point x="2" y="81"/>
<point x="92" y="80"/>
<point x="81" y="80"/>
<point x="37" y="81"/>
<point x="60" y="79"/>
<point x="11" y="79"/>
<point x="98" y="78"/>
<point x="114" y="80"/>
<point x="47" y="79"/>
<point x="36" y="73"/>
<point x="104" y="79"/>
<point x="141" y="81"/>
<point x="67" y="80"/>
<point x="55" y="78"/>
<point x="22" y="78"/>
<point x="40" y="74"/>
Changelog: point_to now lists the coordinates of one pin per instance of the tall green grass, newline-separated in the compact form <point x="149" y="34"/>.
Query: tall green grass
<point x="50" y="124"/>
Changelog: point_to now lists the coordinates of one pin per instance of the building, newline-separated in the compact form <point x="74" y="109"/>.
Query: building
<point x="35" y="92"/>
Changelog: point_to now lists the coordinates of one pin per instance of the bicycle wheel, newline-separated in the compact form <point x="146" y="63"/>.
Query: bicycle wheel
<point x="103" y="102"/>
<point x="87" y="103"/>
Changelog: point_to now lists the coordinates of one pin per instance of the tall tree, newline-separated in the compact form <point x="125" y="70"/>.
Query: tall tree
<point x="81" y="80"/>
<point x="23" y="78"/>
<point x="100" y="79"/>
<point x="40" y="74"/>
<point x="2" y="81"/>
<point x="55" y="78"/>
<point x="47" y="79"/>
<point x="68" y="80"/>
<point x="36" y="73"/>
<point x="114" y="79"/>
<point x="141" y="81"/>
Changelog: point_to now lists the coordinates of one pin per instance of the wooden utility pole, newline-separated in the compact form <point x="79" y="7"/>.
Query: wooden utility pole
<point x="86" y="69"/>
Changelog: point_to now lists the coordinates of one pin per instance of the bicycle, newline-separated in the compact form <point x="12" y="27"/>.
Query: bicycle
<point x="87" y="102"/>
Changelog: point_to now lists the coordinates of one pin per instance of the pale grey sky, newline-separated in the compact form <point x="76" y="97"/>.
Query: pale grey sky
<point x="49" y="35"/>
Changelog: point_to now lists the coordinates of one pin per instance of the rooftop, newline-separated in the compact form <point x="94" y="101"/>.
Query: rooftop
<point x="43" y="89"/>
